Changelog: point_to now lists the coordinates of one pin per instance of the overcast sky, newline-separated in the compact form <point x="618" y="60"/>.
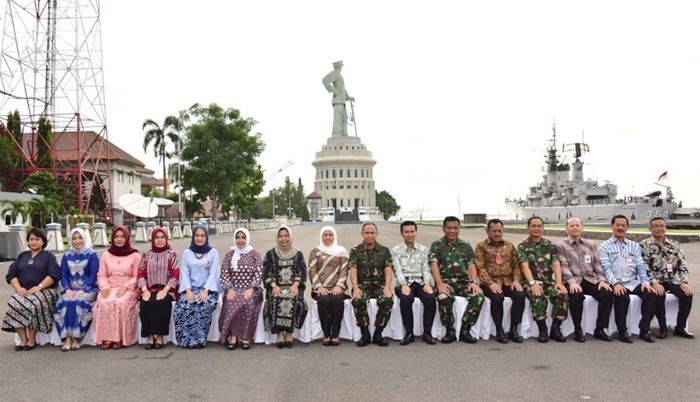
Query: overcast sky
<point x="454" y="99"/>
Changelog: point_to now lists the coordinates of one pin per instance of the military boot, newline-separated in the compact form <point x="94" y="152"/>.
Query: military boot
<point x="555" y="332"/>
<point x="542" y="337"/>
<point x="365" y="338"/>
<point x="465" y="334"/>
<point x="449" y="335"/>
<point x="377" y="338"/>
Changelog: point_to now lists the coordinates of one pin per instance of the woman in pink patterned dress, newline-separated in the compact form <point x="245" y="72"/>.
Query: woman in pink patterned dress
<point x="241" y="274"/>
<point x="114" y="316"/>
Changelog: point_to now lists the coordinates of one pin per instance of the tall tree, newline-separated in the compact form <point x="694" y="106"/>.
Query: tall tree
<point x="220" y="152"/>
<point x="386" y="204"/>
<point x="46" y="184"/>
<point x="44" y="159"/>
<point x="160" y="136"/>
<point x="41" y="209"/>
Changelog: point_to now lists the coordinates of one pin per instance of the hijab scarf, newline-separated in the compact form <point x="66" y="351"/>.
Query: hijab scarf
<point x="204" y="248"/>
<point x="82" y="234"/>
<point x="334" y="249"/>
<point x="285" y="253"/>
<point x="239" y="252"/>
<point x="124" y="250"/>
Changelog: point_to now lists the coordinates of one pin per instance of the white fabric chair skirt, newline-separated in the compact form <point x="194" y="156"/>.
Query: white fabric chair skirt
<point x="483" y="329"/>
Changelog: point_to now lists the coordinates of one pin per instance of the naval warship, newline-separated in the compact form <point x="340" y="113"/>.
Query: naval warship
<point x="564" y="193"/>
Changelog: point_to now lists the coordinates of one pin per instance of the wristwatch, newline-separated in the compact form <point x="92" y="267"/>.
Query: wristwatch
<point x="532" y="282"/>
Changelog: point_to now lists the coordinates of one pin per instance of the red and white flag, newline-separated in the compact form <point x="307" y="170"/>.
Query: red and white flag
<point x="664" y="175"/>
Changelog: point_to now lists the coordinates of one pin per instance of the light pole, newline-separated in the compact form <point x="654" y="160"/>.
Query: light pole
<point x="272" y="178"/>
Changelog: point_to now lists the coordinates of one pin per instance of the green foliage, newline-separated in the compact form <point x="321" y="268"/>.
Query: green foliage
<point x="47" y="185"/>
<point x="246" y="192"/>
<point x="42" y="209"/>
<point x="262" y="209"/>
<point x="43" y="144"/>
<point x="386" y="204"/>
<point x="9" y="156"/>
<point x="160" y="137"/>
<point x="15" y="209"/>
<point x="220" y="154"/>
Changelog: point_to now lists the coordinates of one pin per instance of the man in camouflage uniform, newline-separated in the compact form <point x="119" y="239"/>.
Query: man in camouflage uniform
<point x="540" y="266"/>
<point x="452" y="266"/>
<point x="371" y="274"/>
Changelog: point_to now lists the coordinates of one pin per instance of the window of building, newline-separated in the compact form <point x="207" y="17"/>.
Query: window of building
<point x="340" y="171"/>
<point x="131" y="178"/>
<point x="120" y="177"/>
<point x="355" y="172"/>
<point x="362" y="173"/>
<point x="334" y="173"/>
<point x="348" y="172"/>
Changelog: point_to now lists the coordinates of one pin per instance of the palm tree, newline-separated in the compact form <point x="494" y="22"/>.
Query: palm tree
<point x="43" y="208"/>
<point x="16" y="208"/>
<point x="160" y="136"/>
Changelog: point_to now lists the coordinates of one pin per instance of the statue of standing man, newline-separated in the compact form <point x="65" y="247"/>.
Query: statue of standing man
<point x="335" y="84"/>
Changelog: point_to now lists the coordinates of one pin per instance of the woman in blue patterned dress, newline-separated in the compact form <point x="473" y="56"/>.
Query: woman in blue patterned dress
<point x="199" y="291"/>
<point x="78" y="285"/>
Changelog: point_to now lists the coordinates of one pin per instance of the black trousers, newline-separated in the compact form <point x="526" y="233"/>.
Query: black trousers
<point x="516" y="310"/>
<point x="622" y="304"/>
<point x="684" y="305"/>
<point x="429" y="306"/>
<point x="602" y="296"/>
<point x="330" y="312"/>
<point x="155" y="315"/>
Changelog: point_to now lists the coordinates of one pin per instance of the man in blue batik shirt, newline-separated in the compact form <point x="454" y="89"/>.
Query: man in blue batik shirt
<point x="626" y="271"/>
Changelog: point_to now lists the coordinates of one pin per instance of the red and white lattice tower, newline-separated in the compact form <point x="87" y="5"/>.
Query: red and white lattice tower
<point x="51" y="67"/>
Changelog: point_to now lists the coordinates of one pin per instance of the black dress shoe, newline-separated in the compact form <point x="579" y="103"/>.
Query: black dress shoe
<point x="378" y="339"/>
<point x="624" y="337"/>
<point x="683" y="333"/>
<point x="513" y="334"/>
<point x="199" y="346"/>
<point x="232" y="346"/>
<point x="465" y="335"/>
<point x="646" y="335"/>
<point x="450" y="335"/>
<point x="663" y="332"/>
<point x="428" y="338"/>
<point x="600" y="334"/>
<point x="365" y="339"/>
<point x="280" y="344"/>
<point x="335" y="343"/>
<point x="501" y="336"/>
<point x="158" y="346"/>
<point x="328" y="343"/>
<point x="289" y="344"/>
<point x="408" y="338"/>
<point x="19" y="348"/>
<point x="190" y="346"/>
<point x="245" y="346"/>
<point x="579" y="336"/>
<point x="148" y="346"/>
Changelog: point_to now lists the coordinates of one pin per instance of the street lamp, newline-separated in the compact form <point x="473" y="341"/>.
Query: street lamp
<point x="272" y="178"/>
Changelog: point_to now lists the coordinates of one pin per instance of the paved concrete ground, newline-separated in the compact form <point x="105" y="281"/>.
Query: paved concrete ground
<point x="488" y="371"/>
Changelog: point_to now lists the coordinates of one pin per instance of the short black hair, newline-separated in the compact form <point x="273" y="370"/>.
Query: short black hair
<point x="369" y="223"/>
<point x="533" y="217"/>
<point x="407" y="223"/>
<point x="612" y="222"/>
<point x="40" y="234"/>
<point x="657" y="218"/>
<point x="450" y="219"/>
<point x="493" y="222"/>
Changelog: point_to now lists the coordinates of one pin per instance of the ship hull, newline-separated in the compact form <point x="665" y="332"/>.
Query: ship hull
<point x="589" y="213"/>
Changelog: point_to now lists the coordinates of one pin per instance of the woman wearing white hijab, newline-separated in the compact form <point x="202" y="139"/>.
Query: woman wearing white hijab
<point x="328" y="272"/>
<point x="241" y="274"/>
<point x="78" y="286"/>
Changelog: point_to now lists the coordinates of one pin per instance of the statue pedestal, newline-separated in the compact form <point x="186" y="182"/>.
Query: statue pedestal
<point x="141" y="235"/>
<point x="177" y="230"/>
<point x="99" y="238"/>
<point x="54" y="238"/>
<point x="187" y="229"/>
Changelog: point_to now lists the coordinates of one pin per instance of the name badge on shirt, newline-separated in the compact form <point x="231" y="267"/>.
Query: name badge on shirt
<point x="669" y="267"/>
<point x="630" y="262"/>
<point x="499" y="259"/>
<point x="587" y="258"/>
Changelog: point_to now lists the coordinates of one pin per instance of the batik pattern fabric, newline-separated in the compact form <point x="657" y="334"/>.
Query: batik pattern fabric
<point x="666" y="262"/>
<point x="239" y="316"/>
<point x="193" y="318"/>
<point x="73" y="316"/>
<point x="285" y="311"/>
<point x="540" y="257"/>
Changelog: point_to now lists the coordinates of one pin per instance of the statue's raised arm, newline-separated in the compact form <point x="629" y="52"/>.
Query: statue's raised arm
<point x="335" y="84"/>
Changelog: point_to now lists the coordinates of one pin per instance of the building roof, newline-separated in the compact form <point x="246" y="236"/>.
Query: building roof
<point x="150" y="181"/>
<point x="24" y="197"/>
<point x="66" y="147"/>
<point x="313" y="195"/>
